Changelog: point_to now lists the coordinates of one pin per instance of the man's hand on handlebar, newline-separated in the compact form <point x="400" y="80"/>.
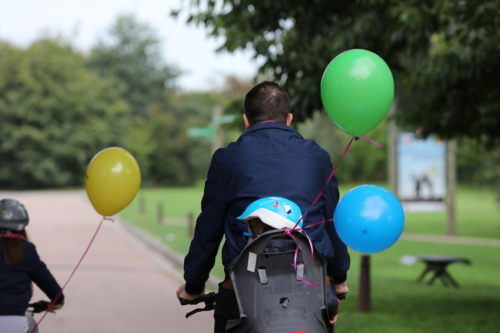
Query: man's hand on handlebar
<point x="341" y="289"/>
<point x="208" y="299"/>
<point x="181" y="293"/>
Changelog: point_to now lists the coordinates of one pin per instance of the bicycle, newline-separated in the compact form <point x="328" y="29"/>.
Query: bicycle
<point x="276" y="297"/>
<point x="37" y="307"/>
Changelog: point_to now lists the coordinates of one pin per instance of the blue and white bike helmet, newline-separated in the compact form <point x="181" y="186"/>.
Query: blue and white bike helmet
<point x="276" y="212"/>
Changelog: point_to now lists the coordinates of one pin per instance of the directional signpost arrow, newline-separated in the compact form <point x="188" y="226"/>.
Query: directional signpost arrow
<point x="212" y="131"/>
<point x="201" y="132"/>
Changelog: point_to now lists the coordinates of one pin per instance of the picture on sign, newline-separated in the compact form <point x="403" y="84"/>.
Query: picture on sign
<point x="421" y="173"/>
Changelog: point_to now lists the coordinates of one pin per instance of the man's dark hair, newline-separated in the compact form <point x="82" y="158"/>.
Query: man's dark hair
<point x="267" y="101"/>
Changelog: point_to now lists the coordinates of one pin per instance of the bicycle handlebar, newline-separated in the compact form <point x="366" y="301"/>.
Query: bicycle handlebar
<point x="208" y="299"/>
<point x="39" y="306"/>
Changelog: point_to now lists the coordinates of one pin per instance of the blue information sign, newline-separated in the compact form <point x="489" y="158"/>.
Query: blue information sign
<point x="421" y="173"/>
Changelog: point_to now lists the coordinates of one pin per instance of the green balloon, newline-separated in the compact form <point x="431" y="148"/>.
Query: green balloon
<point x="357" y="90"/>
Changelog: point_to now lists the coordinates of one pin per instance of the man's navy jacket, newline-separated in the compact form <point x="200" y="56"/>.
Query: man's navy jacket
<point x="269" y="159"/>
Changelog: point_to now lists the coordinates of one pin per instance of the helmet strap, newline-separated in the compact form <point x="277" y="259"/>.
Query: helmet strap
<point x="248" y="234"/>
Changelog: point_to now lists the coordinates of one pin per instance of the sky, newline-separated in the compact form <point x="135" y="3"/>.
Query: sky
<point x="84" y="21"/>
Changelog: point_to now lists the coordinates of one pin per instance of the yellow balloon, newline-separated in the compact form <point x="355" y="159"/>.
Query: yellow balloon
<point x="112" y="180"/>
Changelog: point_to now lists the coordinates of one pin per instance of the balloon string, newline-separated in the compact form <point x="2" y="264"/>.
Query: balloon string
<point x="333" y="173"/>
<point x="51" y="305"/>
<point x="368" y="139"/>
<point x="317" y="223"/>
<point x="290" y="231"/>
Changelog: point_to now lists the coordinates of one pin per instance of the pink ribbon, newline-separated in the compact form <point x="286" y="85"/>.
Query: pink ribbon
<point x="368" y="139"/>
<point x="51" y="305"/>
<point x="317" y="223"/>
<point x="289" y="232"/>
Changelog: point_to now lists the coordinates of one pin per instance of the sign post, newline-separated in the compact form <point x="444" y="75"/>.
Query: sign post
<point x="392" y="144"/>
<point x="364" y="296"/>
<point x="451" y="176"/>
<point x="212" y="132"/>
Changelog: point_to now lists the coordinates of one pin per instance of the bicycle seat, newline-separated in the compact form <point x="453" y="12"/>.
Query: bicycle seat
<point x="271" y="296"/>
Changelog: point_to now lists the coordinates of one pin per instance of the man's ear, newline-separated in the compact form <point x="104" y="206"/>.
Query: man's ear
<point x="247" y="123"/>
<point x="289" y="119"/>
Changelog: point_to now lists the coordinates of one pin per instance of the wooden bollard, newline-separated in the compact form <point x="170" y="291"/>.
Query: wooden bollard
<point x="142" y="206"/>
<point x="160" y="213"/>
<point x="364" y="301"/>
<point x="190" y="225"/>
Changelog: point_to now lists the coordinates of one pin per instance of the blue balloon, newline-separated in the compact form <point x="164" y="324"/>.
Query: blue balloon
<point x="369" y="219"/>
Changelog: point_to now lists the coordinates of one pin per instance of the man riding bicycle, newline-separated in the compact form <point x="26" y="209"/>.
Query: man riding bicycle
<point x="269" y="159"/>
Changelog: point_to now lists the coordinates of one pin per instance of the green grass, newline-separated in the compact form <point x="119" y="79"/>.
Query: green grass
<point x="478" y="215"/>
<point x="177" y="204"/>
<point x="399" y="304"/>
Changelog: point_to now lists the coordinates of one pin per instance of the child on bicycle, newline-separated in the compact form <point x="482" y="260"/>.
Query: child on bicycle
<point x="20" y="265"/>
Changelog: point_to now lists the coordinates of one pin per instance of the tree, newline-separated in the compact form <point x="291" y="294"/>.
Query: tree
<point x="181" y="160"/>
<point x="364" y="162"/>
<point x="456" y="83"/>
<point x="55" y="115"/>
<point x="160" y="144"/>
<point x="445" y="54"/>
<point x="131" y="55"/>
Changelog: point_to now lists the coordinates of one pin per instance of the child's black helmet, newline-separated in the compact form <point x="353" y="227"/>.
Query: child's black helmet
<point x="13" y="215"/>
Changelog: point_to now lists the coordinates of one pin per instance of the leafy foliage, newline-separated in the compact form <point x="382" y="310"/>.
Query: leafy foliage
<point x="364" y="162"/>
<point x="457" y="82"/>
<point x="132" y="56"/>
<point x="445" y="54"/>
<point x="177" y="159"/>
<point x="159" y="142"/>
<point x="477" y="165"/>
<point x="55" y="115"/>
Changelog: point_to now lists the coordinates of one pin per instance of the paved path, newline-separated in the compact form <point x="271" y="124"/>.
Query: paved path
<point x="120" y="286"/>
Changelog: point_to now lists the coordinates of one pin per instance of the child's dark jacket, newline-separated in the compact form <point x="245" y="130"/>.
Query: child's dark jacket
<point x="15" y="281"/>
